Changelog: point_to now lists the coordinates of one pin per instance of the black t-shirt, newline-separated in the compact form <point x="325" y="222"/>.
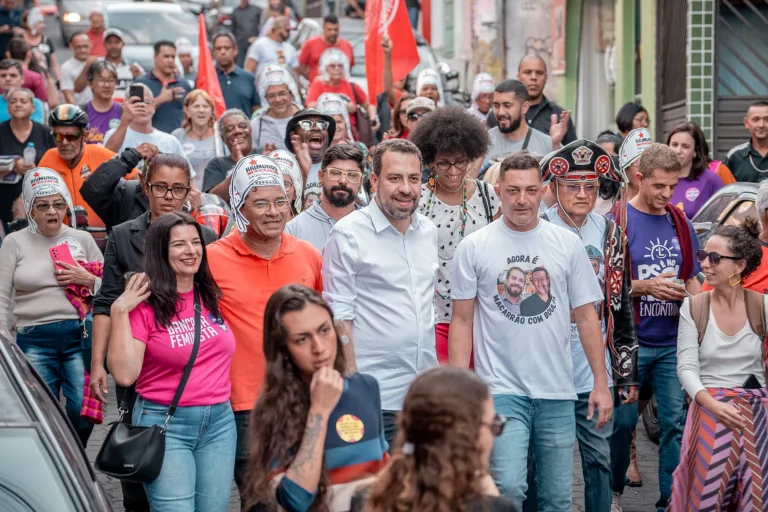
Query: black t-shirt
<point x="41" y="137"/>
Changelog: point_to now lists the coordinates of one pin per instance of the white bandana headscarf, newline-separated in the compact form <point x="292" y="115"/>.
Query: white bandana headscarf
<point x="277" y="74"/>
<point x="290" y="166"/>
<point x="430" y="77"/>
<point x="252" y="171"/>
<point x="331" y="56"/>
<point x="332" y="104"/>
<point x="482" y="84"/>
<point x="40" y="182"/>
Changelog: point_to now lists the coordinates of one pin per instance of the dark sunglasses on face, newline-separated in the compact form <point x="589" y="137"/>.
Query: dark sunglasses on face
<point x="496" y="426"/>
<point x="307" y="125"/>
<point x="413" y="116"/>
<point x="58" y="206"/>
<point x="714" y="258"/>
<point x="71" y="137"/>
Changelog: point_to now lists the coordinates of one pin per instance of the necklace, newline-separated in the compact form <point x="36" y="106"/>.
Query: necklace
<point x="754" y="166"/>
<point x="463" y="183"/>
<point x="430" y="201"/>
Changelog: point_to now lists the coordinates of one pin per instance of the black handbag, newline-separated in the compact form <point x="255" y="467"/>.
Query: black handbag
<point x="135" y="454"/>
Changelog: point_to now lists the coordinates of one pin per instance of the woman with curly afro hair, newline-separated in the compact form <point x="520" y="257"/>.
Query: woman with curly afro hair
<point x="444" y="441"/>
<point x="721" y="365"/>
<point x="452" y="141"/>
<point x="315" y="434"/>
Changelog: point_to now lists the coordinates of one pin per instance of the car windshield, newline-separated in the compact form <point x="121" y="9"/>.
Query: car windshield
<point x="149" y="27"/>
<point x="29" y="480"/>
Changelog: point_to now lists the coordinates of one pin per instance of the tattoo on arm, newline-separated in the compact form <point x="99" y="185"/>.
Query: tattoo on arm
<point x="308" y="451"/>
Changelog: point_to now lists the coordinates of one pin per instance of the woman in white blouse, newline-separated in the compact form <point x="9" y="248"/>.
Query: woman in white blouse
<point x="451" y="140"/>
<point x="726" y="433"/>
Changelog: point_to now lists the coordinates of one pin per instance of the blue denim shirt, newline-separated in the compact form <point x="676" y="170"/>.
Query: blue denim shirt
<point x="239" y="89"/>
<point x="168" y="116"/>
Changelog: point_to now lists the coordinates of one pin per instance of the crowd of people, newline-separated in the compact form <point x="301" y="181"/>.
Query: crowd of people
<point x="389" y="303"/>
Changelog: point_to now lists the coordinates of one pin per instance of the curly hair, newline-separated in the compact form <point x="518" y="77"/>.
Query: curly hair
<point x="450" y="130"/>
<point x="277" y="422"/>
<point x="744" y="243"/>
<point x="441" y="418"/>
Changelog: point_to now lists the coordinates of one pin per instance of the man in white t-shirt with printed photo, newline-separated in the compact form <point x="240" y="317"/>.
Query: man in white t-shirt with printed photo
<point x="525" y="357"/>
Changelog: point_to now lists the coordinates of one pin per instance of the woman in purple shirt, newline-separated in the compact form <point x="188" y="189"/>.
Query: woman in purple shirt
<point x="697" y="183"/>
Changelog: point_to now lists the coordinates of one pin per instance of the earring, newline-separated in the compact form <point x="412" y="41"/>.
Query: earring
<point x="431" y="181"/>
<point x="730" y="279"/>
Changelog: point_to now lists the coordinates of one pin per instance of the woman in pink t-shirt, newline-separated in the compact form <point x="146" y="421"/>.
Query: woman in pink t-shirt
<point x="152" y="336"/>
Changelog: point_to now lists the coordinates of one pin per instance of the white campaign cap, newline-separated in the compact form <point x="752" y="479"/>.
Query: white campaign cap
<point x="252" y="171"/>
<point x="637" y="141"/>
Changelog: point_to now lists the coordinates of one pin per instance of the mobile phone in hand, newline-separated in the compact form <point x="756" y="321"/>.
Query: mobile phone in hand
<point x="63" y="254"/>
<point x="136" y="91"/>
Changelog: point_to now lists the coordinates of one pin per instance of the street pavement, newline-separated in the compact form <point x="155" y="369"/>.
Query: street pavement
<point x="640" y="499"/>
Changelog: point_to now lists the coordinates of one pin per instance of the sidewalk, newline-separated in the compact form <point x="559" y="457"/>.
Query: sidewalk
<point x="635" y="499"/>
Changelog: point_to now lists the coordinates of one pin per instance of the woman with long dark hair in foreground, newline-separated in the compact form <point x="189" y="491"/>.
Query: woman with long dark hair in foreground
<point x="444" y="440"/>
<point x="309" y="415"/>
<point x="152" y="339"/>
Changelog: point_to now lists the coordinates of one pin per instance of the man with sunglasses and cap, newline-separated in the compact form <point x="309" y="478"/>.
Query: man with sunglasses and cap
<point x="308" y="134"/>
<point x="72" y="157"/>
<point x="573" y="172"/>
<point x="250" y="264"/>
<point x="662" y="243"/>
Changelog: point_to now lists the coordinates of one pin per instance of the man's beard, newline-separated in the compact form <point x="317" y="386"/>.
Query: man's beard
<point x="339" y="201"/>
<point x="514" y="125"/>
<point x="516" y="294"/>
<point x="394" y="211"/>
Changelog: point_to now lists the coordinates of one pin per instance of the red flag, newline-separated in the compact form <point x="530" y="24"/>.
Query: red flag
<point x="388" y="16"/>
<point x="207" y="79"/>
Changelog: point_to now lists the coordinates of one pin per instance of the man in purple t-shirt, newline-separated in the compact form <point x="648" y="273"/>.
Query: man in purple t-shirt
<point x="662" y="243"/>
<point x="103" y="112"/>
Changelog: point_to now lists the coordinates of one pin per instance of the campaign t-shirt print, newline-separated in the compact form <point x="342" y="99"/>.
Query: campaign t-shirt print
<point x="181" y="332"/>
<point x="524" y="292"/>
<point x="660" y="256"/>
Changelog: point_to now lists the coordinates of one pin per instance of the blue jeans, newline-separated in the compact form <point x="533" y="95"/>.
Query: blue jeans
<point x="199" y="456"/>
<point x="550" y="426"/>
<point x="659" y="366"/>
<point x="413" y="17"/>
<point x="55" y="352"/>
<point x="595" y="449"/>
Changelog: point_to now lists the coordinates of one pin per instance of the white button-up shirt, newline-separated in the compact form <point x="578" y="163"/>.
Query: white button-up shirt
<point x="384" y="282"/>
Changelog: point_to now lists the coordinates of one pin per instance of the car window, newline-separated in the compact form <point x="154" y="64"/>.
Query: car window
<point x="358" y="51"/>
<point x="150" y="27"/>
<point x="712" y="210"/>
<point x="743" y="210"/>
<point x="29" y="481"/>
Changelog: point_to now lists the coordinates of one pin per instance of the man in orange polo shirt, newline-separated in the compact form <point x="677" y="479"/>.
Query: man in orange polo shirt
<point x="249" y="265"/>
<point x="72" y="157"/>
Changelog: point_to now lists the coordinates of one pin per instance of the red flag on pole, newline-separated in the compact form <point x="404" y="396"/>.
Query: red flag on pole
<point x="207" y="79"/>
<point x="387" y="16"/>
<point x="426" y="20"/>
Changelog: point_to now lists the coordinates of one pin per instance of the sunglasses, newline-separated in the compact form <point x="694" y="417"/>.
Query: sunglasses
<point x="413" y="116"/>
<point x="714" y="258"/>
<point x="307" y="125"/>
<point x="496" y="426"/>
<point x="71" y="137"/>
<point x="44" y="207"/>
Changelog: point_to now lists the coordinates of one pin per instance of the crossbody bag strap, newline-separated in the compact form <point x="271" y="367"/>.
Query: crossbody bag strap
<point x="190" y="363"/>
<point x="482" y="189"/>
<point x="527" y="139"/>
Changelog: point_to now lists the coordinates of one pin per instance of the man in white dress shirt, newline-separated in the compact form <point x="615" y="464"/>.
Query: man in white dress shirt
<point x="379" y="277"/>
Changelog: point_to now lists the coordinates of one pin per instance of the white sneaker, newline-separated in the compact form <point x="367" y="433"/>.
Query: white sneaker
<point x="616" y="502"/>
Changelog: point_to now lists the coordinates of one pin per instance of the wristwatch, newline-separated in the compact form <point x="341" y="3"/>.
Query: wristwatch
<point x="344" y="339"/>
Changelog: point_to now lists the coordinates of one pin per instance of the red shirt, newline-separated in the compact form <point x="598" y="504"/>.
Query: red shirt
<point x="97" y="43"/>
<point x="313" y="48"/>
<point x="319" y="86"/>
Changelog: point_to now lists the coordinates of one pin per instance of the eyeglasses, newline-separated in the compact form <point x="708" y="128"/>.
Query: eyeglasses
<point x="71" y="137"/>
<point x="160" y="190"/>
<point x="280" y="205"/>
<point x="288" y="184"/>
<point x="336" y="174"/>
<point x="445" y="165"/>
<point x="714" y="258"/>
<point x="44" y="207"/>
<point x="496" y="426"/>
<point x="413" y="116"/>
<point x="105" y="81"/>
<point x="574" y="188"/>
<point x="275" y="95"/>
<point x="307" y="125"/>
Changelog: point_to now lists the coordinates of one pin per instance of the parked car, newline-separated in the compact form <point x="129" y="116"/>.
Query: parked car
<point x="143" y="24"/>
<point x="48" y="7"/>
<point x="728" y="207"/>
<point x="43" y="466"/>
<point x="73" y="15"/>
